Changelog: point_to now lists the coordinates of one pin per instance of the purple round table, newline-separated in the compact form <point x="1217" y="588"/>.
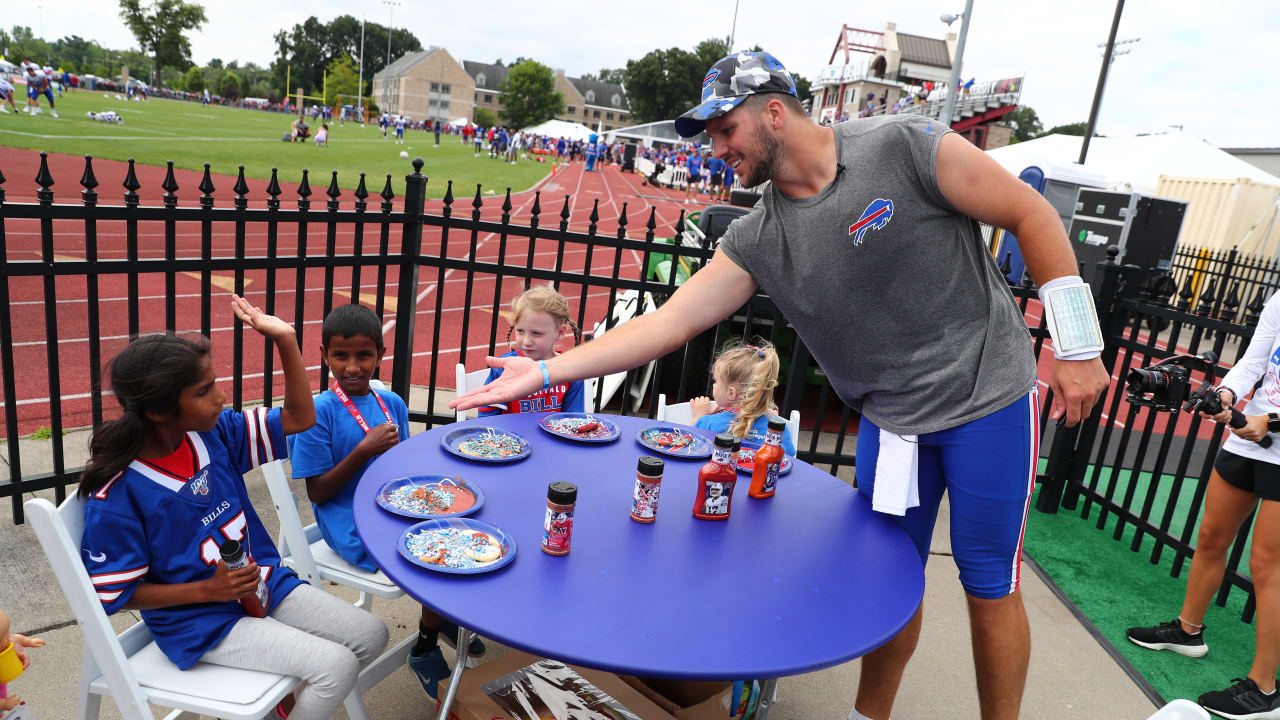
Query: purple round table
<point x="805" y="580"/>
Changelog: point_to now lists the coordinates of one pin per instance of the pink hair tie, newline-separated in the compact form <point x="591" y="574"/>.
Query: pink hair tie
<point x="759" y="352"/>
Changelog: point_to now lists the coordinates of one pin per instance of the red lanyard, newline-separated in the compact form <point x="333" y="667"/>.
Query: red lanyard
<point x="351" y="407"/>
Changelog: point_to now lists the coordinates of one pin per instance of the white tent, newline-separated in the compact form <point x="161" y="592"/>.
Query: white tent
<point x="460" y="122"/>
<point x="1133" y="163"/>
<point x="560" y="129"/>
<point x="8" y="67"/>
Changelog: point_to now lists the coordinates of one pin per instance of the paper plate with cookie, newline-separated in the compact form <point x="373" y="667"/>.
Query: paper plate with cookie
<point x="486" y="444"/>
<point x="580" y="427"/>
<point x="430" y="496"/>
<point x="460" y="546"/>
<point x="675" y="441"/>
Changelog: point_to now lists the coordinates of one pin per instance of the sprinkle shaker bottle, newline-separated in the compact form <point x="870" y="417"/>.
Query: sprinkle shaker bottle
<point x="234" y="556"/>
<point x="557" y="527"/>
<point x="644" y="502"/>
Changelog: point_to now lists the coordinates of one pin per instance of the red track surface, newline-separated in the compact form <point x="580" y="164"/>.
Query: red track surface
<point x="30" y="358"/>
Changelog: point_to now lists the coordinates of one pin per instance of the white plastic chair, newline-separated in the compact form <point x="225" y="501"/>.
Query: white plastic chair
<point x="682" y="413"/>
<point x="467" y="381"/>
<point x="130" y="667"/>
<point x="625" y="307"/>
<point x="304" y="550"/>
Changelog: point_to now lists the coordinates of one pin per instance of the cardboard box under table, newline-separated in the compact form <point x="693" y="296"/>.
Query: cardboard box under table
<point x="519" y="686"/>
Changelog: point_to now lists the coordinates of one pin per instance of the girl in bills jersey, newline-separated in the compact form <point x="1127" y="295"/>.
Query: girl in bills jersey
<point x="539" y="317"/>
<point x="164" y="489"/>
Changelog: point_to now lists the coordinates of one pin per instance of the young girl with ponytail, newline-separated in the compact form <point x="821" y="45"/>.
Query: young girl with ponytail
<point x="539" y="318"/>
<point x="743" y="379"/>
<point x="164" y="491"/>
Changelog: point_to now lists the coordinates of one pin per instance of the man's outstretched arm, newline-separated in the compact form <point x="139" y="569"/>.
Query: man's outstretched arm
<point x="703" y="300"/>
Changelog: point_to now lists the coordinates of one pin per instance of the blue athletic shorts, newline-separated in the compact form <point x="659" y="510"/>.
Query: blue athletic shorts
<point x="32" y="92"/>
<point x="988" y="469"/>
<point x="49" y="94"/>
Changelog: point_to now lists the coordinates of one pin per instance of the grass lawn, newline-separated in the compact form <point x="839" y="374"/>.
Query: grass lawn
<point x="191" y="134"/>
<point x="1117" y="589"/>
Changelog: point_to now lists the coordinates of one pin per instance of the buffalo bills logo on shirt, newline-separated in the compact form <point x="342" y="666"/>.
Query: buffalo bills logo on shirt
<point x="1275" y="357"/>
<point x="711" y="77"/>
<point x="200" y="484"/>
<point x="875" y="217"/>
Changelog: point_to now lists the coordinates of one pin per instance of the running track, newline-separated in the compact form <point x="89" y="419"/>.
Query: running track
<point x="610" y="188"/>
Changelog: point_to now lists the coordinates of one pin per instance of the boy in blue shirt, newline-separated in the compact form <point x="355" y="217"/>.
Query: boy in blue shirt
<point x="694" y="165"/>
<point x="354" y="425"/>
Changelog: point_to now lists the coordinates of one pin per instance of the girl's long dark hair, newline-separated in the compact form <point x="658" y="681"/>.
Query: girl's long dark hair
<point x="148" y="375"/>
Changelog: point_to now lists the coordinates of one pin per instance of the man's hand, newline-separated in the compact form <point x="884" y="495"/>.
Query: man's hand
<point x="379" y="439"/>
<point x="227" y="584"/>
<point x="1076" y="385"/>
<point x="520" y="378"/>
<point x="1255" y="428"/>
<point x="700" y="406"/>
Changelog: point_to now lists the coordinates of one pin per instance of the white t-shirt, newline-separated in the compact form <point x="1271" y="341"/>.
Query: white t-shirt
<point x="1261" y="360"/>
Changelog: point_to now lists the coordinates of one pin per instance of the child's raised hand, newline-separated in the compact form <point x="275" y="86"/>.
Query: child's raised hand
<point x="20" y="645"/>
<point x="268" y="325"/>
<point x="379" y="439"/>
<point x="227" y="584"/>
<point x="700" y="406"/>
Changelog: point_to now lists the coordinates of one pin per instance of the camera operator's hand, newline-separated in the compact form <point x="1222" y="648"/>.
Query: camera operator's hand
<point x="1076" y="385"/>
<point x="1255" y="428"/>
<point x="1224" y="417"/>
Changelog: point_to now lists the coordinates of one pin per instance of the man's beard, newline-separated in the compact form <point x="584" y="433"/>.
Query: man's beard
<point x="770" y="157"/>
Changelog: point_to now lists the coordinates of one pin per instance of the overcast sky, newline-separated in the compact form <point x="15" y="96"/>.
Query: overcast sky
<point x="1206" y="66"/>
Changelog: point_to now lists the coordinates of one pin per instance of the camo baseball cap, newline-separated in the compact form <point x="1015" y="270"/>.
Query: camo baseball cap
<point x="730" y="81"/>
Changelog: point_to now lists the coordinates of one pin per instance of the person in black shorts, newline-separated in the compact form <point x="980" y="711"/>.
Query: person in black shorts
<point x="1246" y="476"/>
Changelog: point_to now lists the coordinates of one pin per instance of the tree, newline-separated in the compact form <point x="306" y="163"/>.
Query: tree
<point x="306" y="49"/>
<point x="193" y="80"/>
<point x="617" y="76"/>
<point x="529" y="95"/>
<point x="708" y="52"/>
<point x="342" y="79"/>
<point x="229" y="88"/>
<point x="663" y="84"/>
<point x="159" y="29"/>
<point x="1026" y="124"/>
<point x="1076" y="128"/>
<point x="484" y="117"/>
<point x="802" y="87"/>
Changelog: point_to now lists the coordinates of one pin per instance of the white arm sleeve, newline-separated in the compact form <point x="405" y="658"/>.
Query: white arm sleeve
<point x="1242" y="377"/>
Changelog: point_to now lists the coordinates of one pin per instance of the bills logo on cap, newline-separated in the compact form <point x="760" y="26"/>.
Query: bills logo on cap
<point x="876" y="216"/>
<point x="711" y="77"/>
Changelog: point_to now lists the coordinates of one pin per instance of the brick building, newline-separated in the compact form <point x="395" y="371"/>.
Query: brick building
<point x="432" y="84"/>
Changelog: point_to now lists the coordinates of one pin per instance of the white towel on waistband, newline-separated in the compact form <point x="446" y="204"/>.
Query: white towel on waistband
<point x="897" y="474"/>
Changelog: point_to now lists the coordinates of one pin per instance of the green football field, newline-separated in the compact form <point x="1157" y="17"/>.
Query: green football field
<point x="191" y="134"/>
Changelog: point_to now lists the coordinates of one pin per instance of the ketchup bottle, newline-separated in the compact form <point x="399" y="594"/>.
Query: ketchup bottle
<point x="764" y="479"/>
<point x="715" y="482"/>
<point x="254" y="605"/>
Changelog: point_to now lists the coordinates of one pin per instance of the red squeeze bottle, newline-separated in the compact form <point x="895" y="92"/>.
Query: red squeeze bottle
<point x="764" y="479"/>
<point x="715" y="482"/>
<point x="255" y="605"/>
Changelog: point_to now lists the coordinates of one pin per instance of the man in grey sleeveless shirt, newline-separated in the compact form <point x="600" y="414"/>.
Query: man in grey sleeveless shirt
<point x="866" y="240"/>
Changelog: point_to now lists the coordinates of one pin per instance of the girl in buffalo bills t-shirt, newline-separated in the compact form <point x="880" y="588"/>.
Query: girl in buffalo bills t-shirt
<point x="539" y="318"/>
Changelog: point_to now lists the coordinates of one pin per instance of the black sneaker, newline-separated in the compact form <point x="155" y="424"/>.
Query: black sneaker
<point x="1242" y="701"/>
<point x="1169" y="636"/>
<point x="449" y="633"/>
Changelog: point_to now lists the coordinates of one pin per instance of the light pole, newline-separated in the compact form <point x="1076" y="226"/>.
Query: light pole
<point x="360" y="96"/>
<point x="1102" y="82"/>
<point x="391" y="10"/>
<point x="386" y="82"/>
<point x="953" y="89"/>
<point x="733" y="31"/>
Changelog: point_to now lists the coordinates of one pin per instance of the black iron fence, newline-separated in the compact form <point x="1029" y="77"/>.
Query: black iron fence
<point x="112" y="271"/>
<point x="1210" y="281"/>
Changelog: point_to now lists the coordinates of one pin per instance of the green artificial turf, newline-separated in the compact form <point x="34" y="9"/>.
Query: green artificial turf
<point x="1118" y="589"/>
<point x="191" y="134"/>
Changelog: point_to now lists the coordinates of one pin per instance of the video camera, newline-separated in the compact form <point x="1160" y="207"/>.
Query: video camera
<point x="1166" y="387"/>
